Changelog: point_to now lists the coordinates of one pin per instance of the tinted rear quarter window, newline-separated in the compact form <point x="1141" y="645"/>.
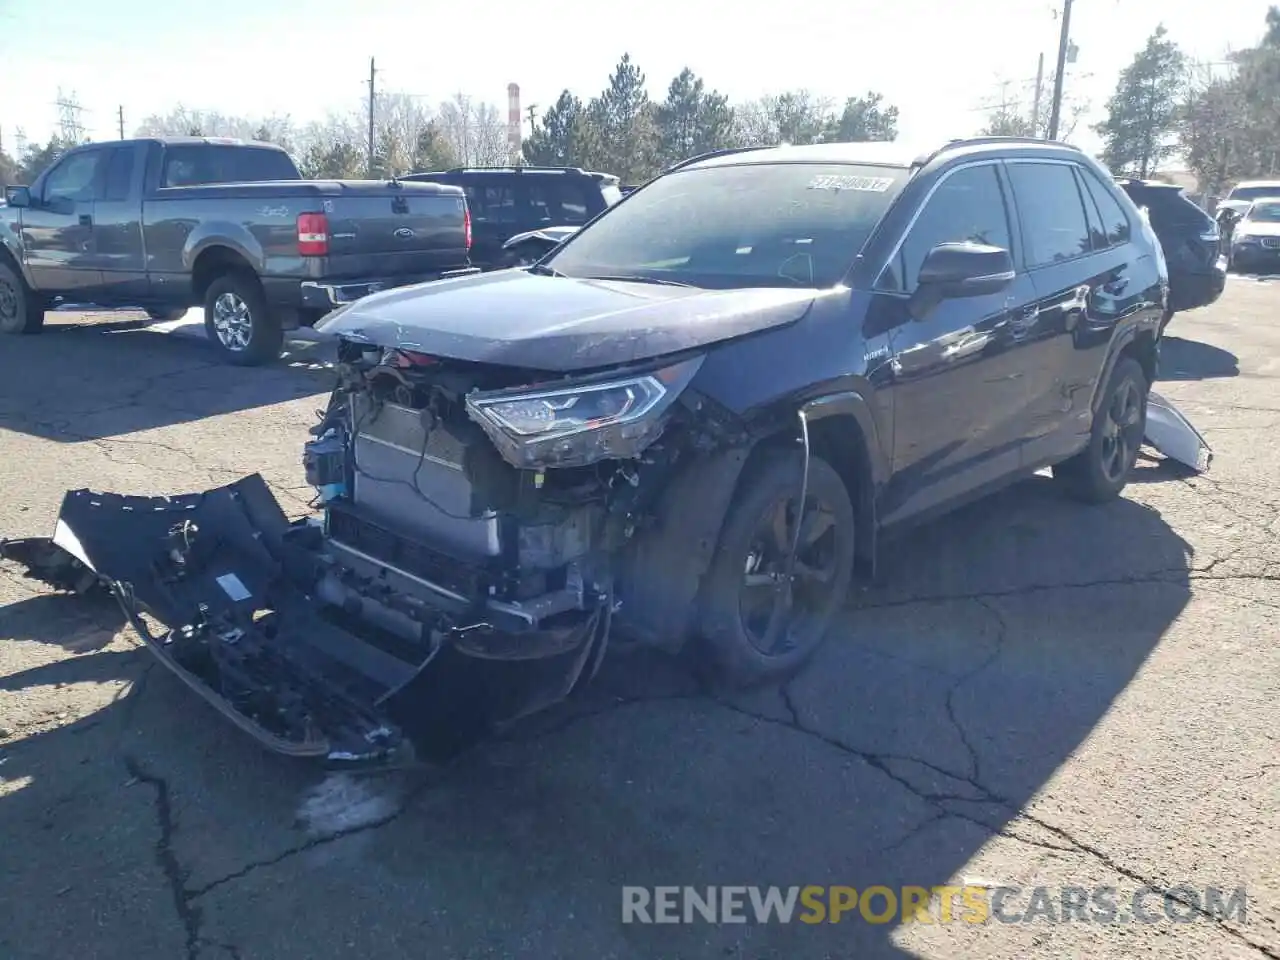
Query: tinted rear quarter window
<point x="1053" y="219"/>
<point x="556" y="199"/>
<point x="1115" y="222"/>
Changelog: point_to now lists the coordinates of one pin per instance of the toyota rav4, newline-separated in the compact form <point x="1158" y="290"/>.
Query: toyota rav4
<point x="689" y="425"/>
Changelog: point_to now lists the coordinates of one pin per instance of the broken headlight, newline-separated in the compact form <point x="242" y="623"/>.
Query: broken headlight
<point x="577" y="425"/>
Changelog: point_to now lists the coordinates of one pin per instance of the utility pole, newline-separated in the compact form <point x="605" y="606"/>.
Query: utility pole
<point x="1035" y="104"/>
<point x="532" y="110"/>
<point x="372" y="74"/>
<point x="120" y="118"/>
<point x="1064" y="39"/>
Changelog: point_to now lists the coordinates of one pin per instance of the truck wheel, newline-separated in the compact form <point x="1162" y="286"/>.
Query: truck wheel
<point x="21" y="311"/>
<point x="239" y="323"/>
<point x="750" y="634"/>
<point x="1100" y="471"/>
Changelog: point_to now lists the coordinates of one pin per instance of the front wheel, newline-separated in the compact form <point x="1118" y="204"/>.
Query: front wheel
<point x="239" y="323"/>
<point x="1100" y="471"/>
<point x="20" y="309"/>
<point x="757" y="626"/>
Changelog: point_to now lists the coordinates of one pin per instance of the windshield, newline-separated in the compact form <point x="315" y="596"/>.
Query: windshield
<point x="747" y="225"/>
<point x="1254" y="192"/>
<point x="1268" y="212"/>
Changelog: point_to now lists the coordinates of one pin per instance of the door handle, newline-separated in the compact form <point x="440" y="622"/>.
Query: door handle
<point x="86" y="220"/>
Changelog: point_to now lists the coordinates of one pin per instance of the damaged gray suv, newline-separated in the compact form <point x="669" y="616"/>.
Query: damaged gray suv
<point x="688" y="425"/>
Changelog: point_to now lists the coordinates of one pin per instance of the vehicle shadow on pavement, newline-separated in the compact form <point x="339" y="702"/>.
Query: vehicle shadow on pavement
<point x="92" y="381"/>
<point x="948" y="696"/>
<point x="1192" y="360"/>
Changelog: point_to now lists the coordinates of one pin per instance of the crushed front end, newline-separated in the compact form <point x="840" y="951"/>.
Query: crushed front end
<point x="462" y="574"/>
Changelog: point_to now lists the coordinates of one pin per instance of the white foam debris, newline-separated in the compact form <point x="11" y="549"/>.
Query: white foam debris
<point x="341" y="802"/>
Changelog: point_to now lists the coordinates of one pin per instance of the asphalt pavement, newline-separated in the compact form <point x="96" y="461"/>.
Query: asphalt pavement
<point x="1040" y="695"/>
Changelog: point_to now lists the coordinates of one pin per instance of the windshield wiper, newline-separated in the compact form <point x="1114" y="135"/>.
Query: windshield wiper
<point x="543" y="270"/>
<point x="632" y="278"/>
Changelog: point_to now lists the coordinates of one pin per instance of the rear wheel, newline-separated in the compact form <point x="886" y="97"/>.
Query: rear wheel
<point x="21" y="311"/>
<point x="1100" y="471"/>
<point x="758" y="627"/>
<point x="239" y="323"/>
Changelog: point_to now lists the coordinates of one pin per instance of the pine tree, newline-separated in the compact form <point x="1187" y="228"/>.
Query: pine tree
<point x="1143" y="112"/>
<point x="553" y="141"/>
<point x="691" y="120"/>
<point x="866" y="118"/>
<point x="624" y="118"/>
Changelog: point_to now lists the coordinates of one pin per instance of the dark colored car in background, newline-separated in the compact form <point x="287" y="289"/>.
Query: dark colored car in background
<point x="506" y="201"/>
<point x="1190" y="239"/>
<point x="170" y="223"/>
<point x="1255" y="240"/>
<point x="688" y="426"/>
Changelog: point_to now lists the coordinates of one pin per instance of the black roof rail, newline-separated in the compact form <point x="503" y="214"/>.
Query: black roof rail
<point x="711" y="154"/>
<point x="1038" y="141"/>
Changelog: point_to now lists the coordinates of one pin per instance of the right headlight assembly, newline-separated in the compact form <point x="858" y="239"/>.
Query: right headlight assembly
<point x="580" y="423"/>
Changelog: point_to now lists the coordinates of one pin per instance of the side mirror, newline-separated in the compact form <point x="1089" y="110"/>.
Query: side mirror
<point x="17" y="196"/>
<point x="955" y="270"/>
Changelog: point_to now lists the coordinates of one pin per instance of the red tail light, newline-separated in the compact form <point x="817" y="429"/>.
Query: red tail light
<point x="313" y="235"/>
<point x="466" y="227"/>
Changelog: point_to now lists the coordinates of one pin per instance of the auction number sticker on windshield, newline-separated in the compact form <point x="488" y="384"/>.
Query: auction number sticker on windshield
<point x="839" y="182"/>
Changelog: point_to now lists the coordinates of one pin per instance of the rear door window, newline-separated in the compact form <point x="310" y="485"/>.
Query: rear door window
<point x="491" y="201"/>
<point x="967" y="206"/>
<point x="119" y="174"/>
<point x="1054" y="225"/>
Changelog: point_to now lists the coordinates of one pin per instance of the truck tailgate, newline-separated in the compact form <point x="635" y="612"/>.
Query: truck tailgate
<point x="396" y="222"/>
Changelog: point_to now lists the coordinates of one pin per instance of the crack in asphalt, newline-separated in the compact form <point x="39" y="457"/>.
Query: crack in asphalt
<point x="939" y="802"/>
<point x="167" y="860"/>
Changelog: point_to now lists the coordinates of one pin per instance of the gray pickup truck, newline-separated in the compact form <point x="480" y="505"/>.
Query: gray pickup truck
<point x="166" y="224"/>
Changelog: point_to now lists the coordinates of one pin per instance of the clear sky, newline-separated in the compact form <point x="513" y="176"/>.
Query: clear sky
<point x="938" y="61"/>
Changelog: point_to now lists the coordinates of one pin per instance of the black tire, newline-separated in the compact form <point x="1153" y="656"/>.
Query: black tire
<point x="21" y="311"/>
<point x="167" y="316"/>
<point x="1101" y="471"/>
<point x="733" y="651"/>
<point x="252" y="335"/>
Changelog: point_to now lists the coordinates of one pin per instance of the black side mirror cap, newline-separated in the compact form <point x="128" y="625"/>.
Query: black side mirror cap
<point x="959" y="270"/>
<point x="17" y="196"/>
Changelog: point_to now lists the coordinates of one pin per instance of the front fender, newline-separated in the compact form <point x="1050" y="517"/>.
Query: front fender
<point x="11" y="243"/>
<point x="222" y="233"/>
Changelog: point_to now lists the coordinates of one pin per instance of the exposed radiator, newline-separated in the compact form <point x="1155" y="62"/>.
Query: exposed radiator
<point x="423" y="493"/>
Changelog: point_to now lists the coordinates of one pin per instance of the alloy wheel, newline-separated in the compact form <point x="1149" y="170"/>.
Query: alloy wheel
<point x="778" y="611"/>
<point x="1122" y="431"/>
<point x="232" y="322"/>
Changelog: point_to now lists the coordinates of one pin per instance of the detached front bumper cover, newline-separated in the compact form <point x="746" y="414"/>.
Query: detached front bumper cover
<point x="231" y="582"/>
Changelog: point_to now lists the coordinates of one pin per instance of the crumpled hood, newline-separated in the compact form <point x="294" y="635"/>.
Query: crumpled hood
<point x="521" y="319"/>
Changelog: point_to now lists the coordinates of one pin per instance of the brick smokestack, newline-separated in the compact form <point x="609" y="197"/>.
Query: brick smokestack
<point x="514" y="138"/>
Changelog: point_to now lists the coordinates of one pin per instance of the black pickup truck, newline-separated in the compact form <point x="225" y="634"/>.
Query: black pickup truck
<point x="166" y="224"/>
